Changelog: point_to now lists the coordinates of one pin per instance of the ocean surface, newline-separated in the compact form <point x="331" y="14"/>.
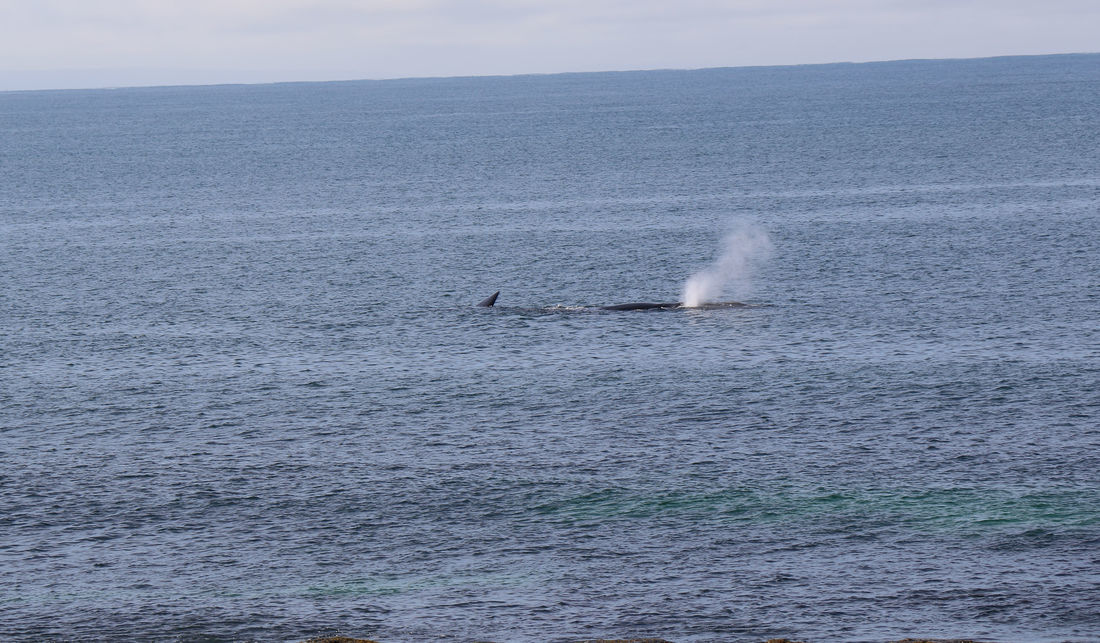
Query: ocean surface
<point x="246" y="394"/>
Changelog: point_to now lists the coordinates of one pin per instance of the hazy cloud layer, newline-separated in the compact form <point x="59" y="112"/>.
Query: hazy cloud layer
<point x="95" y="42"/>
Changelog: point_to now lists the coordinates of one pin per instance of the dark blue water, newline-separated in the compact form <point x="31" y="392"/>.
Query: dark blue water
<point x="245" y="395"/>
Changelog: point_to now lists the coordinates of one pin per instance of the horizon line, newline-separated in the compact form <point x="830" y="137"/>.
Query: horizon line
<point x="515" y="75"/>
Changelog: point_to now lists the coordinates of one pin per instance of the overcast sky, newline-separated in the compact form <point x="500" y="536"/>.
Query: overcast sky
<point x="97" y="43"/>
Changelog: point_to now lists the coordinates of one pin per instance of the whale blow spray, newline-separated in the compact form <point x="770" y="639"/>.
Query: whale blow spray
<point x="742" y="248"/>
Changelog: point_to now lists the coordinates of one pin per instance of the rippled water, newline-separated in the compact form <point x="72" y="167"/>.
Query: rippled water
<point x="246" y="394"/>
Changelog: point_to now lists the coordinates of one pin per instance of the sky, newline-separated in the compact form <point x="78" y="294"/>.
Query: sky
<point x="108" y="43"/>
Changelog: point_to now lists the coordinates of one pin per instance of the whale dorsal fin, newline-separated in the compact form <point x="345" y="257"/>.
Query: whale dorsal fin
<point x="489" y="301"/>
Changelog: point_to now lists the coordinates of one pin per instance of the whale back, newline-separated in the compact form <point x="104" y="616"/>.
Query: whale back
<point x="641" y="306"/>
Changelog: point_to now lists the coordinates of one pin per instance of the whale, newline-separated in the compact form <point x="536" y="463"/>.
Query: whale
<point x="489" y="301"/>
<point x="642" y="305"/>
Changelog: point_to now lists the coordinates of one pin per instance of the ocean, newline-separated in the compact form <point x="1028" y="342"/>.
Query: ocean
<point x="246" y="392"/>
